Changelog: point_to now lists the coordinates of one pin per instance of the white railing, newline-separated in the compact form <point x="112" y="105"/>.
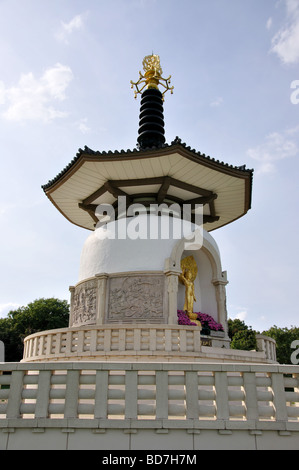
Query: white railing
<point x="100" y="341"/>
<point x="127" y="395"/>
<point x="268" y="345"/>
<point x="137" y="342"/>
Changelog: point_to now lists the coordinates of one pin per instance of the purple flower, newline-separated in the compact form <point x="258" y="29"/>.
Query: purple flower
<point x="183" y="319"/>
<point x="204" y="318"/>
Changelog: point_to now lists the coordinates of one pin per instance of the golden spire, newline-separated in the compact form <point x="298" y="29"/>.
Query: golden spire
<point x="152" y="76"/>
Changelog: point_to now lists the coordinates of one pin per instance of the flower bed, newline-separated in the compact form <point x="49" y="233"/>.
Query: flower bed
<point x="206" y="320"/>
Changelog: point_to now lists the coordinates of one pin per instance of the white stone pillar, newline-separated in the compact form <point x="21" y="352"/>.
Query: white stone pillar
<point x="72" y="291"/>
<point x="172" y="289"/>
<point x="101" y="298"/>
<point x="221" y="300"/>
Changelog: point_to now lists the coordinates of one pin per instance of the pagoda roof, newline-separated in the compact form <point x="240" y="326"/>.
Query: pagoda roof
<point x="170" y="173"/>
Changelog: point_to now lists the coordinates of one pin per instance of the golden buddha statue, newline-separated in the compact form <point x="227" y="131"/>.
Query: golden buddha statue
<point x="189" y="273"/>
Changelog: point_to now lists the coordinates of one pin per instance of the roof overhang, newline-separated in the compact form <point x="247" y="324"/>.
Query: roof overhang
<point x="171" y="174"/>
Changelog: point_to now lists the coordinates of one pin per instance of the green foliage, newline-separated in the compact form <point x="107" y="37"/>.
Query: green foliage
<point x="234" y="326"/>
<point x="245" y="340"/>
<point x="284" y="338"/>
<point x="40" y="315"/>
<point x="241" y="335"/>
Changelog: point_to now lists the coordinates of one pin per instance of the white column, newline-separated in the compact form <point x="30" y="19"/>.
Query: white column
<point x="101" y="298"/>
<point x="221" y="299"/>
<point x="172" y="289"/>
<point x="72" y="291"/>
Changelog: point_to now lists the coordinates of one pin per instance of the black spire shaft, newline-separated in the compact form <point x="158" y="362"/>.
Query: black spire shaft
<point x="151" y="119"/>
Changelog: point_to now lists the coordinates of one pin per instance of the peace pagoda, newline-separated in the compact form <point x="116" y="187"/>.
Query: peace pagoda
<point x="151" y="286"/>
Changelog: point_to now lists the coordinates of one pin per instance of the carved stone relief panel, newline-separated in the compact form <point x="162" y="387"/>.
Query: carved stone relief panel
<point x="138" y="298"/>
<point x="85" y="303"/>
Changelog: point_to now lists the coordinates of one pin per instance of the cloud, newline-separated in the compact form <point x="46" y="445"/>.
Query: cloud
<point x="217" y="102"/>
<point x="6" y="207"/>
<point x="6" y="308"/>
<point x="277" y="146"/>
<point x="67" y="29"/>
<point x="285" y="43"/>
<point x="241" y="315"/>
<point x="82" y="125"/>
<point x="2" y="93"/>
<point x="269" y="23"/>
<point x="33" y="98"/>
<point x="238" y="312"/>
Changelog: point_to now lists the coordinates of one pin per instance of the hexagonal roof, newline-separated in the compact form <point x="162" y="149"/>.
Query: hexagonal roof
<point x="168" y="174"/>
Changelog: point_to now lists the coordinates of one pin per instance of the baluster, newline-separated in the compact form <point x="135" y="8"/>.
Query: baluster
<point x="15" y="394"/>
<point x="183" y="341"/>
<point x="137" y="339"/>
<point x="49" y="345"/>
<point x="43" y="394"/>
<point x="168" y="345"/>
<point x="279" y="399"/>
<point x="72" y="394"/>
<point x="221" y="386"/>
<point x="107" y="339"/>
<point x="250" y="396"/>
<point x="57" y="343"/>
<point x="121" y="339"/>
<point x="153" y="339"/>
<point x="131" y="383"/>
<point x="161" y="394"/>
<point x="101" y="394"/>
<point x="192" y="394"/>
<point x="93" y="340"/>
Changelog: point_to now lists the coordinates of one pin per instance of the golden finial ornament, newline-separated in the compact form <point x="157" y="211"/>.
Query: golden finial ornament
<point x="152" y="76"/>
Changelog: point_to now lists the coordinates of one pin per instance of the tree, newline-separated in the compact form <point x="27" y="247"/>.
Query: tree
<point x="40" y="315"/>
<point x="284" y="338"/>
<point x="234" y="326"/>
<point x="242" y="336"/>
<point x="245" y="340"/>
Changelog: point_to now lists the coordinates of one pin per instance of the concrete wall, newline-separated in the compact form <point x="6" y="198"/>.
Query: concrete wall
<point x="176" y="440"/>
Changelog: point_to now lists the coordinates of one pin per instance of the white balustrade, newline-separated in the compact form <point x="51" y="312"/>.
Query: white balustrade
<point x="101" y="341"/>
<point x="136" y="342"/>
<point x="123" y="394"/>
<point x="267" y="345"/>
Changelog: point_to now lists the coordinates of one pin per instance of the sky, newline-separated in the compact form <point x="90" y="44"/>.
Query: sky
<point x="65" y="74"/>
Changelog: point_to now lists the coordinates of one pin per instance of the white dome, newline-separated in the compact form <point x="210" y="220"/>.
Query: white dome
<point x="133" y="244"/>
